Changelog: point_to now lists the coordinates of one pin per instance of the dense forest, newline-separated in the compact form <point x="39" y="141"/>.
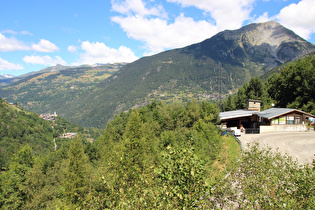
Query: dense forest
<point x="160" y="156"/>
<point x="19" y="127"/>
<point x="292" y="87"/>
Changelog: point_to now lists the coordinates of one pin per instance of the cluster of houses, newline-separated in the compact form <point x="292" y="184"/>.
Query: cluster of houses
<point x="49" y="116"/>
<point x="253" y="120"/>
<point x="52" y="117"/>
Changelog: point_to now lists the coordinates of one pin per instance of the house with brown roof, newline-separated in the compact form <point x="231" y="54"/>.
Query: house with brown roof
<point x="275" y="119"/>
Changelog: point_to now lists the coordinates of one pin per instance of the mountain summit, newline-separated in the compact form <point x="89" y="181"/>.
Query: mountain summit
<point x="220" y="64"/>
<point x="267" y="43"/>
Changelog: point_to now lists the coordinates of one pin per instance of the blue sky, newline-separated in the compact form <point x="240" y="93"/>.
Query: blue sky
<point x="35" y="34"/>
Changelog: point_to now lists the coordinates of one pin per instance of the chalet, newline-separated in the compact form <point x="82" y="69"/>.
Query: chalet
<point x="252" y="120"/>
<point x="283" y="119"/>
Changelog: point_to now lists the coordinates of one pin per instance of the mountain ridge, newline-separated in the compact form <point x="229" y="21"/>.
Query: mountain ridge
<point x="202" y="71"/>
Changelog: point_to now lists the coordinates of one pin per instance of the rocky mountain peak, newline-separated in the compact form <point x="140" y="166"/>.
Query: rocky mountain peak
<point x="271" y="33"/>
<point x="269" y="43"/>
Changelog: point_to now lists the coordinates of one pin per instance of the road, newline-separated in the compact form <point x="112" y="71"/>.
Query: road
<point x="299" y="145"/>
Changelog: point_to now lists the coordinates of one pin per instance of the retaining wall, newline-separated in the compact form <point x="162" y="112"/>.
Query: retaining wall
<point x="273" y="128"/>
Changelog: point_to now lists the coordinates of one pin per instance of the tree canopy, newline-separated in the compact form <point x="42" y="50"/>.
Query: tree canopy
<point x="293" y="87"/>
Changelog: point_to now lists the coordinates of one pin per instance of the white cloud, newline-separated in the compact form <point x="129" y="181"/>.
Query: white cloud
<point x="158" y="35"/>
<point x="44" y="60"/>
<point x="228" y="14"/>
<point x="137" y="7"/>
<point x="9" y="31"/>
<point x="263" y="18"/>
<point x="6" y="65"/>
<point x="73" y="49"/>
<point x="97" y="52"/>
<point x="299" y="17"/>
<point x="26" y="33"/>
<point x="11" y="44"/>
<point x="45" y="46"/>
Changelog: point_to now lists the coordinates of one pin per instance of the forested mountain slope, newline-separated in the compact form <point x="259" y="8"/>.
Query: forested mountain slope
<point x="193" y="71"/>
<point x="53" y="88"/>
<point x="160" y="156"/>
<point x="19" y="127"/>
<point x="291" y="85"/>
<point x="200" y="71"/>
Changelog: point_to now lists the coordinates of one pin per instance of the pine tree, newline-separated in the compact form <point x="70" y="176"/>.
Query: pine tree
<point x="12" y="195"/>
<point x="133" y="147"/>
<point x="76" y="180"/>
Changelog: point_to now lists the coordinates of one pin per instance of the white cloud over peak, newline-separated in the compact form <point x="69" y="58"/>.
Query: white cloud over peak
<point x="299" y="17"/>
<point x="11" y="44"/>
<point x="228" y="14"/>
<point x="263" y="18"/>
<point x="98" y="52"/>
<point x="45" y="46"/>
<point x="44" y="60"/>
<point x="6" y="65"/>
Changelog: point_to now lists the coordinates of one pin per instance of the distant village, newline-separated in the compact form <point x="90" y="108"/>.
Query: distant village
<point x="52" y="117"/>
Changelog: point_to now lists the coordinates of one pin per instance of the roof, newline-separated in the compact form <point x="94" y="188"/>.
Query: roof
<point x="276" y="112"/>
<point x="236" y="114"/>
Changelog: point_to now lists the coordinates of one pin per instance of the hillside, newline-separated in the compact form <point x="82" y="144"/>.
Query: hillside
<point x="158" y="157"/>
<point x="19" y="127"/>
<point x="193" y="71"/>
<point x="278" y="69"/>
<point x="52" y="88"/>
<point x="220" y="64"/>
<point x="291" y="85"/>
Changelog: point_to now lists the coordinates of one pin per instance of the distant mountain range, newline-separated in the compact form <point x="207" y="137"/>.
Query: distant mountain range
<point x="218" y="65"/>
<point x="6" y="76"/>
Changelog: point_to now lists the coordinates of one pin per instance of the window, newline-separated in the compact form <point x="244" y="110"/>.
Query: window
<point x="290" y="120"/>
<point x="297" y="120"/>
<point x="275" y="121"/>
<point x="281" y="120"/>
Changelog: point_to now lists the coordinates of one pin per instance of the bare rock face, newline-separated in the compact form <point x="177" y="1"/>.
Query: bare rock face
<point x="271" y="33"/>
<point x="270" y="42"/>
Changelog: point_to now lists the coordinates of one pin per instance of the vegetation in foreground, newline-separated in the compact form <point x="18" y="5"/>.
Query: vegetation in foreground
<point x="265" y="180"/>
<point x="158" y="157"/>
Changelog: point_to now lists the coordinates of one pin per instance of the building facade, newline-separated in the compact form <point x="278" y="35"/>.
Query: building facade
<point x="252" y="120"/>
